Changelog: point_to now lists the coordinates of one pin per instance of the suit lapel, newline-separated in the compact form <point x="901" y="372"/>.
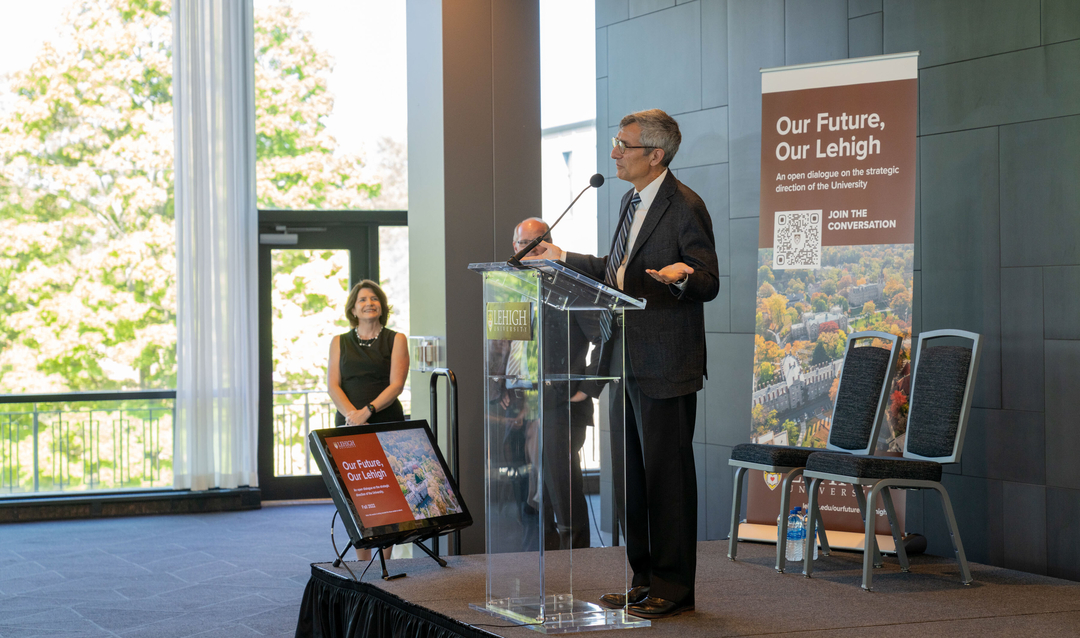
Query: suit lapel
<point x="657" y="209"/>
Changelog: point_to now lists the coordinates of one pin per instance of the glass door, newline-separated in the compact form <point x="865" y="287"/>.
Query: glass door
<point x="307" y="264"/>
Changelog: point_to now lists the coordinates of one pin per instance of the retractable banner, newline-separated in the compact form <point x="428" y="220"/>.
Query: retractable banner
<point x="836" y="250"/>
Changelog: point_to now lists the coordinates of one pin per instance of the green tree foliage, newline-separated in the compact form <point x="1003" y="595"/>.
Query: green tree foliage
<point x="765" y="275"/>
<point x="762" y="420"/>
<point x="88" y="264"/>
<point x="87" y="212"/>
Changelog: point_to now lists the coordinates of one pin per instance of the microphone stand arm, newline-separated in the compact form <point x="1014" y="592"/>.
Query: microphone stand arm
<point x="516" y="259"/>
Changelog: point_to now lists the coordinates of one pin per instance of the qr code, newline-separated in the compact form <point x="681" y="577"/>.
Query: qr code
<point x="797" y="240"/>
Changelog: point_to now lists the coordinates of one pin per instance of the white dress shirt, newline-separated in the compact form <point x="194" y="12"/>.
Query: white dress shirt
<point x="647" y="195"/>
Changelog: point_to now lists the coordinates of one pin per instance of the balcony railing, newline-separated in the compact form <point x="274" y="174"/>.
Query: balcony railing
<point x="296" y="413"/>
<point x="86" y="441"/>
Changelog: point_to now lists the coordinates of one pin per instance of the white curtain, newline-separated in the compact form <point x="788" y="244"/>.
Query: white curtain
<point x="216" y="428"/>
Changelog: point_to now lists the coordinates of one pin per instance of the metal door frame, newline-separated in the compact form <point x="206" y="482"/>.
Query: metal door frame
<point x="356" y="231"/>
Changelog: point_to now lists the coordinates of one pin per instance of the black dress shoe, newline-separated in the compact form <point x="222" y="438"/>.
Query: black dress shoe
<point x="618" y="601"/>
<point x="652" y="608"/>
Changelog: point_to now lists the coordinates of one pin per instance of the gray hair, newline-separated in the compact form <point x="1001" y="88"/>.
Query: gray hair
<point x="658" y="130"/>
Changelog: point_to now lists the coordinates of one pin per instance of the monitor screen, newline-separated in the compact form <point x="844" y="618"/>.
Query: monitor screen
<point x="389" y="481"/>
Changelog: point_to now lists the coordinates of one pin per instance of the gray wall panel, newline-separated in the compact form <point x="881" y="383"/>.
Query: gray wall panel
<point x="815" y="31"/>
<point x="743" y="237"/>
<point x="721" y="482"/>
<point x="1024" y="526"/>
<point x="995" y="523"/>
<point x="1060" y="20"/>
<point x="960" y="260"/>
<point x="641" y="7"/>
<point x="755" y="41"/>
<point x="699" y="423"/>
<point x="1002" y="89"/>
<point x="611" y="11"/>
<point x="1021" y="338"/>
<point x="714" y="53"/>
<point x="945" y="32"/>
<point x="727" y="390"/>
<point x="865" y="36"/>
<point x="1062" y="550"/>
<point x="1062" y="435"/>
<point x="1040" y="215"/>
<point x="704" y="138"/>
<point x="604" y="164"/>
<point x="1015" y="446"/>
<point x="858" y="8"/>
<point x="1061" y="308"/>
<point x="916" y="302"/>
<point x="917" y="258"/>
<point x="976" y="441"/>
<point x="601" y="53"/>
<point x="971" y="501"/>
<point x="718" y="311"/>
<point x="711" y="184"/>
<point x="669" y="78"/>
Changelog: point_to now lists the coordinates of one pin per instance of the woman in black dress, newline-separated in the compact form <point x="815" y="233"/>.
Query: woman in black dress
<point x="369" y="363"/>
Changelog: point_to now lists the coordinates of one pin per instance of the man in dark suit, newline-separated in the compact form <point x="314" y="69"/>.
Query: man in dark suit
<point x="663" y="251"/>
<point x="568" y="411"/>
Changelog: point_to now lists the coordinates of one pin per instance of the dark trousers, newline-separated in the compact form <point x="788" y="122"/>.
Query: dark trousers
<point x="563" y="480"/>
<point x="659" y="502"/>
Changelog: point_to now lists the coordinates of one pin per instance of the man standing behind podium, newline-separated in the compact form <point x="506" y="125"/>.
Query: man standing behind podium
<point x="568" y="412"/>
<point x="663" y="251"/>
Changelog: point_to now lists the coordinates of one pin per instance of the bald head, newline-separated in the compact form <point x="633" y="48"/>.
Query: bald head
<point x="527" y="231"/>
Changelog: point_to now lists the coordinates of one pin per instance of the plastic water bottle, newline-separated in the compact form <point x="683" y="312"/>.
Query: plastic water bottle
<point x="795" y="536"/>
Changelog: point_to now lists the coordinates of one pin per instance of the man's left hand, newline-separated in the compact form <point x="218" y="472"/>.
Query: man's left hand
<point x="673" y="274"/>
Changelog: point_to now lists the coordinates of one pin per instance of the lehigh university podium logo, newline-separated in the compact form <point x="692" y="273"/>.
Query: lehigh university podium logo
<point x="509" y="321"/>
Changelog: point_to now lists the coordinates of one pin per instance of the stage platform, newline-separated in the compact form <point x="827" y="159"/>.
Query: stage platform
<point x="743" y="598"/>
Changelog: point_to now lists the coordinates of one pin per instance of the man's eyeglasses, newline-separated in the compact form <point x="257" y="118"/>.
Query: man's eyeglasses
<point x="622" y="145"/>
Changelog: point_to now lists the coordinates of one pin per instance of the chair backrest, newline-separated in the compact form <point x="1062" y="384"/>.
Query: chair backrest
<point x="863" y="393"/>
<point x="941" y="387"/>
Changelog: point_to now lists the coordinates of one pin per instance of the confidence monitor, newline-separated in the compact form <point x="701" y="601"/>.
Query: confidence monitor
<point x="389" y="482"/>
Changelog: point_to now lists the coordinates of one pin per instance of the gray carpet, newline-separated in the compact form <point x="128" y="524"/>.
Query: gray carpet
<point x="748" y="598"/>
<point x="243" y="573"/>
<point x="231" y="574"/>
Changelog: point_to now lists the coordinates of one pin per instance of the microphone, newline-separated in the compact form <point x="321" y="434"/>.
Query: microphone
<point x="596" y="181"/>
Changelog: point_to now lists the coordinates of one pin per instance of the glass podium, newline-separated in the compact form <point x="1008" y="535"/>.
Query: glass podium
<point x="544" y="356"/>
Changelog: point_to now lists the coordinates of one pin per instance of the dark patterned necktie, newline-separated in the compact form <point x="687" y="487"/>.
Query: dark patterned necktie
<point x="615" y="259"/>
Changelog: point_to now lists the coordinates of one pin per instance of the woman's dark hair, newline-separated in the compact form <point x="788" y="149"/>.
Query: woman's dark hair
<point x="355" y="292"/>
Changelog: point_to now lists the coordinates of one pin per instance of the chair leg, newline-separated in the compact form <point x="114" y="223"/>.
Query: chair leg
<point x="823" y="538"/>
<point x="894" y="525"/>
<point x="954" y="533"/>
<point x="870" y="548"/>
<point x="785" y="507"/>
<point x="815" y="514"/>
<point x="736" y="510"/>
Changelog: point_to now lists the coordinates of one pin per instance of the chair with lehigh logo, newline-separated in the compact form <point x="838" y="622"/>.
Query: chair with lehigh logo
<point x="861" y="397"/>
<point x="943" y="379"/>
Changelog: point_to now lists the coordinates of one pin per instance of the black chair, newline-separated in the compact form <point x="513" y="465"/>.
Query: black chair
<point x="861" y="398"/>
<point x="941" y="388"/>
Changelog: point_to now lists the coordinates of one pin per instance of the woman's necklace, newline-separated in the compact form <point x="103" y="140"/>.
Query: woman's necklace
<point x="367" y="342"/>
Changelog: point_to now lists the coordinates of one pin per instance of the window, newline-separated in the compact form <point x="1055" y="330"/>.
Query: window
<point x="87" y="266"/>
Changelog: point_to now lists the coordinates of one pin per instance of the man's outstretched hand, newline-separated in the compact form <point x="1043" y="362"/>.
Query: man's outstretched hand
<point x="673" y="274"/>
